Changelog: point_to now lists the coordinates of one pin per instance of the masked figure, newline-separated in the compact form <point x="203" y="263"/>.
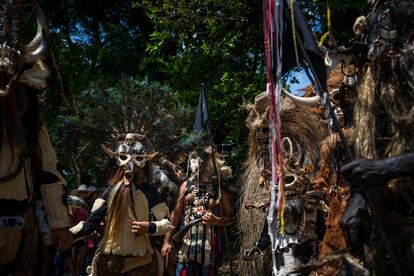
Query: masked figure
<point x="201" y="200"/>
<point x="300" y="132"/>
<point x="132" y="211"/>
<point x="384" y="129"/>
<point x="31" y="190"/>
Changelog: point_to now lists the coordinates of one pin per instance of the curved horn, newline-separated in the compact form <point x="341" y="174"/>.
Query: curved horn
<point x="36" y="48"/>
<point x="151" y="155"/>
<point x="179" y="236"/>
<point x="332" y="95"/>
<point x="36" y="77"/>
<point x="308" y="101"/>
<point x="109" y="152"/>
<point x="290" y="180"/>
<point x="289" y="141"/>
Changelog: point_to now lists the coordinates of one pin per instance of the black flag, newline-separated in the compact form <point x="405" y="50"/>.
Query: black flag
<point x="302" y="29"/>
<point x="202" y="121"/>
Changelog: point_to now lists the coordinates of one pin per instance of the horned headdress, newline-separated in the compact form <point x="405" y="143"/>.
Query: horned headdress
<point x="21" y="63"/>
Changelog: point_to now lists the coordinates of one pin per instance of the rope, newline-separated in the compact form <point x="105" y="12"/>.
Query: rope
<point x="328" y="19"/>
<point x="292" y="16"/>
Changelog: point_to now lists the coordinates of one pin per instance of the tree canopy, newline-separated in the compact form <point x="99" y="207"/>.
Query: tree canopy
<point x="120" y="59"/>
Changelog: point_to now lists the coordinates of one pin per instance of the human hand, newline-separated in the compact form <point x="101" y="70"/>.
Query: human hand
<point x="356" y="225"/>
<point x="166" y="249"/>
<point x="140" y="227"/>
<point x="364" y="173"/>
<point x="62" y="239"/>
<point x="210" y="219"/>
<point x="248" y="253"/>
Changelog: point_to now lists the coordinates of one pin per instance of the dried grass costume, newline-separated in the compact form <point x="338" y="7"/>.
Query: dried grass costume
<point x="384" y="125"/>
<point x="301" y="134"/>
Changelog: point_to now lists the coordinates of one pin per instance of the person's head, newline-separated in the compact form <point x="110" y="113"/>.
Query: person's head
<point x="202" y="162"/>
<point x="82" y="191"/>
<point x="92" y="193"/>
<point x="199" y="159"/>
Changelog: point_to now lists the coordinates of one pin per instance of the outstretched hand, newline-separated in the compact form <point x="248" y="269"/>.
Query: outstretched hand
<point x="356" y="225"/>
<point x="364" y="173"/>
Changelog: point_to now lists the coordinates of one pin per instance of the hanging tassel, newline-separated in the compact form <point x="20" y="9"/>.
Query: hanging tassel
<point x="273" y="44"/>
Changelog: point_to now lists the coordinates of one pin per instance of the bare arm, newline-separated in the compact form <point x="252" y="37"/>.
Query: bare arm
<point x="364" y="173"/>
<point x="176" y="214"/>
<point x="227" y="208"/>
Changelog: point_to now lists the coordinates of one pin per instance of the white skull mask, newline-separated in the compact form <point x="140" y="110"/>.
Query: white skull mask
<point x="129" y="139"/>
<point x="129" y="161"/>
<point x="195" y="163"/>
<point x="131" y="154"/>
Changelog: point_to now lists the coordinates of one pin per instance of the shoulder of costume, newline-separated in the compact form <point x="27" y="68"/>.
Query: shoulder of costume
<point x="151" y="193"/>
<point x="107" y="192"/>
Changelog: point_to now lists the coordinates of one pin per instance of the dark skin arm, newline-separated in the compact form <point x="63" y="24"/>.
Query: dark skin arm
<point x="175" y="218"/>
<point x="364" y="174"/>
<point x="208" y="218"/>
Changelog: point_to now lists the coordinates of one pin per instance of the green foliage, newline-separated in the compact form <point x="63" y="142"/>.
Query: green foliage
<point x="100" y="113"/>
<point x="218" y="43"/>
<point x="343" y="15"/>
<point x="148" y="58"/>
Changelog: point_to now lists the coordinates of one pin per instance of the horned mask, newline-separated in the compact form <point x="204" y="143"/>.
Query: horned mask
<point x="21" y="63"/>
<point x="130" y="153"/>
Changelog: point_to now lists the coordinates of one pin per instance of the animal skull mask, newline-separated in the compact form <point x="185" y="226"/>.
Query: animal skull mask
<point x="14" y="57"/>
<point x="130" y="154"/>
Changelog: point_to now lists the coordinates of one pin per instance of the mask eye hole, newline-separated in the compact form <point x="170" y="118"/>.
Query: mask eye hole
<point x="139" y="157"/>
<point x="123" y="157"/>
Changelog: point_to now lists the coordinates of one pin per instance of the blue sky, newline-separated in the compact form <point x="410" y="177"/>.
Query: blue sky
<point x="303" y="82"/>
